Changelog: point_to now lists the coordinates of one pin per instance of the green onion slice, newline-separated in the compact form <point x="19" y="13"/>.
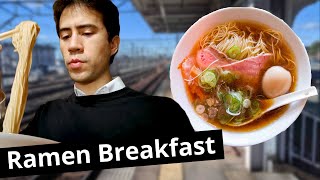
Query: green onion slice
<point x="228" y="77"/>
<point x="209" y="78"/>
<point x="233" y="103"/>
<point x="233" y="52"/>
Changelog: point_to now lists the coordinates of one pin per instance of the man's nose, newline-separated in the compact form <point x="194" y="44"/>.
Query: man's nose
<point x="75" y="44"/>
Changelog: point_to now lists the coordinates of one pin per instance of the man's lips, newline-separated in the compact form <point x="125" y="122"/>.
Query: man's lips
<point x="75" y="63"/>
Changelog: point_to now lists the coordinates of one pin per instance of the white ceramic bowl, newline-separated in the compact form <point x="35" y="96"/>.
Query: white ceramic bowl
<point x="221" y="16"/>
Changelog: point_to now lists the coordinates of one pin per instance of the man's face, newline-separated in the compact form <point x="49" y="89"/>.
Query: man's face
<point x="84" y="44"/>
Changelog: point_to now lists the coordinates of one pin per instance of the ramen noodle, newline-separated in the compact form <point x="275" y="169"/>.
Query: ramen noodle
<point x="23" y="39"/>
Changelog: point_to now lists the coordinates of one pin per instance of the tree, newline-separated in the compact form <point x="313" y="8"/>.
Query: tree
<point x="314" y="48"/>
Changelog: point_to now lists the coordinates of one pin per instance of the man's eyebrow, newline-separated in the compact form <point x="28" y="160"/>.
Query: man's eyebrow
<point x="80" y="27"/>
<point x="64" y="29"/>
<point x="85" y="26"/>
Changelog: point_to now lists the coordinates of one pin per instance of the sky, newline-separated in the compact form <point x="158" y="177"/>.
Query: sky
<point x="307" y="24"/>
<point x="134" y="30"/>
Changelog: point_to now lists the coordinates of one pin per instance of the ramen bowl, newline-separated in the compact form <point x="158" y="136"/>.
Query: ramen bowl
<point x="202" y="26"/>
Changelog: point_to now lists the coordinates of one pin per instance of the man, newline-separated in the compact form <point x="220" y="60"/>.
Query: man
<point x="101" y="107"/>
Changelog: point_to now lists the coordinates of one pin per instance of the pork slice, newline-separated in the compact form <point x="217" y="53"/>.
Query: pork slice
<point x="249" y="66"/>
<point x="211" y="57"/>
<point x="250" y="69"/>
<point x="186" y="67"/>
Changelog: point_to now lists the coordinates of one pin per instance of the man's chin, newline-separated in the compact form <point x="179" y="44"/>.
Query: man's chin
<point x="79" y="79"/>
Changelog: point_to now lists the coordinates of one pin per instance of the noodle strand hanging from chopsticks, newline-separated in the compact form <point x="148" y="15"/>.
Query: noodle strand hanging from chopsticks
<point x="23" y="39"/>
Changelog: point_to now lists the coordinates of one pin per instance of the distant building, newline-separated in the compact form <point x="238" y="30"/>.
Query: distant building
<point x="43" y="56"/>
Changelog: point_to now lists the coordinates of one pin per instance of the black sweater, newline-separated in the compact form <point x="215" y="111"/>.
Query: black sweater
<point x="119" y="115"/>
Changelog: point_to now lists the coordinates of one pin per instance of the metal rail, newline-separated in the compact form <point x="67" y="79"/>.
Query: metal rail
<point x="297" y="151"/>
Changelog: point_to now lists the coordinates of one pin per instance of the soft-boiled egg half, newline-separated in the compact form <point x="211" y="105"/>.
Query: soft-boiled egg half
<point x="276" y="81"/>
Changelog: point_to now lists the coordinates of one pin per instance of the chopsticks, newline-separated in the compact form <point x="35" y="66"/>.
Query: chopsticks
<point x="8" y="34"/>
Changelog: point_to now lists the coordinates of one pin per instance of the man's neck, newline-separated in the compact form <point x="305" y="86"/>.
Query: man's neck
<point x="92" y="87"/>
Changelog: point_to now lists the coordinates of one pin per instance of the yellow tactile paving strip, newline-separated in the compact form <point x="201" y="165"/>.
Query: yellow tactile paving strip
<point x="171" y="172"/>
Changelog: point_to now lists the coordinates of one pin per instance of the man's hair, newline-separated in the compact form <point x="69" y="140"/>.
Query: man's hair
<point x="109" y="12"/>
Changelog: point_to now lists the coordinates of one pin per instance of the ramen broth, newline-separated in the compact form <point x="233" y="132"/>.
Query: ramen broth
<point x="195" y="96"/>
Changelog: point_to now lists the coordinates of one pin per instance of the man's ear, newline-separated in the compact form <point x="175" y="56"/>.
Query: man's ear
<point x="114" y="44"/>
